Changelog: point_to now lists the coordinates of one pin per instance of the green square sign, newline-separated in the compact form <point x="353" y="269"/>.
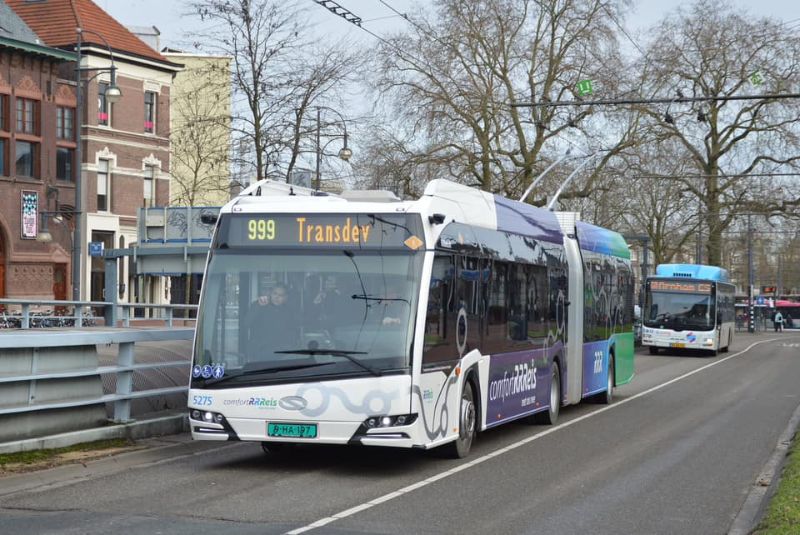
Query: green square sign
<point x="585" y="88"/>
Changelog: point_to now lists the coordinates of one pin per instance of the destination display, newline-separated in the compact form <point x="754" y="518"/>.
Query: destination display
<point x="322" y="230"/>
<point x="681" y="287"/>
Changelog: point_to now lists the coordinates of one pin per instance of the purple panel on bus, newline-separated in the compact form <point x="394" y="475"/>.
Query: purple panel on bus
<point x="519" y="383"/>
<point x="595" y="367"/>
<point x="527" y="220"/>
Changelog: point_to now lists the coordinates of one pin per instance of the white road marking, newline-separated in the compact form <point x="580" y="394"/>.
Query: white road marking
<point x="460" y="468"/>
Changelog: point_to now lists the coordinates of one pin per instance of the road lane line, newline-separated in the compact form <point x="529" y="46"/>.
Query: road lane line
<point x="460" y="468"/>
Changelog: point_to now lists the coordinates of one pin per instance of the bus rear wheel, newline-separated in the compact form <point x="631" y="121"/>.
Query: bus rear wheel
<point x="467" y="423"/>
<point x="550" y="416"/>
<point x="605" y="398"/>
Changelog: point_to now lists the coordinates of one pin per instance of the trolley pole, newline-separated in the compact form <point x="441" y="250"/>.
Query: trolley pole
<point x="751" y="327"/>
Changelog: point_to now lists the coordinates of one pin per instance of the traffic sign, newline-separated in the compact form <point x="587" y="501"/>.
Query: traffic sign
<point x="95" y="248"/>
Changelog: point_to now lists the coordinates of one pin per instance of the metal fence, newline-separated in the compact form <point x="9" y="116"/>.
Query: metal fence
<point x="26" y="313"/>
<point x="30" y="356"/>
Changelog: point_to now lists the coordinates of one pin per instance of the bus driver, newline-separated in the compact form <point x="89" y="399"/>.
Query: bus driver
<point x="274" y="323"/>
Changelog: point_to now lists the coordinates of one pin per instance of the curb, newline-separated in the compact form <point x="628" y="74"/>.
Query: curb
<point x="766" y="483"/>
<point x="163" y="425"/>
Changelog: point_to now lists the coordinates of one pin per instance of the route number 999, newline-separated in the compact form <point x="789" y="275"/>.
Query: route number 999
<point x="260" y="229"/>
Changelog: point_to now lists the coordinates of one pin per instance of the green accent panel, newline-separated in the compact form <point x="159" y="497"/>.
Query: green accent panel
<point x="38" y="49"/>
<point x="623" y="358"/>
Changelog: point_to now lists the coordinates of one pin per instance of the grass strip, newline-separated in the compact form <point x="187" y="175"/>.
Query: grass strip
<point x="783" y="512"/>
<point x="47" y="457"/>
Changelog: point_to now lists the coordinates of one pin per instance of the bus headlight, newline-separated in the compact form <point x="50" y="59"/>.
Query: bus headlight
<point x="374" y="422"/>
<point x="708" y="342"/>
<point x="206" y="416"/>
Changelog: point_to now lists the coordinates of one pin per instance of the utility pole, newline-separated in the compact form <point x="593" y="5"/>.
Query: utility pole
<point x="77" y="232"/>
<point x="699" y="245"/>
<point x="751" y="327"/>
<point x="317" y="179"/>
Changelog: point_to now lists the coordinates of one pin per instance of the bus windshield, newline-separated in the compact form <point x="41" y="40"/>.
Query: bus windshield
<point x="294" y="315"/>
<point x="679" y="310"/>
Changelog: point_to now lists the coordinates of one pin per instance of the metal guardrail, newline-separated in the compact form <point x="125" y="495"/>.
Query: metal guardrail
<point x="39" y="313"/>
<point x="124" y="368"/>
<point x="169" y="311"/>
<point x="81" y="310"/>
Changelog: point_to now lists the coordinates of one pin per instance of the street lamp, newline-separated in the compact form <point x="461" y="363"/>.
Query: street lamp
<point x="113" y="94"/>
<point x="344" y="153"/>
<point x="57" y="215"/>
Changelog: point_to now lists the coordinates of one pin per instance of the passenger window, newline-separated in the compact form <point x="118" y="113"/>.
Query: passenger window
<point x="439" y="343"/>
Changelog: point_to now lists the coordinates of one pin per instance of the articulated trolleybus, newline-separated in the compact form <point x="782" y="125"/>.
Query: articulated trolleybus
<point x="363" y="319"/>
<point x="689" y="306"/>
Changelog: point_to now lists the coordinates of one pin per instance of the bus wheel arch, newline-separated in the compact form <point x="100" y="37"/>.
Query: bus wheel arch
<point x="467" y="420"/>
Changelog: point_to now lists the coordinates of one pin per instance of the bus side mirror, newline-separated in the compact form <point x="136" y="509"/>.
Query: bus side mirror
<point x="208" y="219"/>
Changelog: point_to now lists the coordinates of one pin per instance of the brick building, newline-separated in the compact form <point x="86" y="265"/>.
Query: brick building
<point x="37" y="150"/>
<point x="125" y="146"/>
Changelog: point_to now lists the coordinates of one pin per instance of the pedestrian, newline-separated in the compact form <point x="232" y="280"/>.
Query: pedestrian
<point x="778" y="320"/>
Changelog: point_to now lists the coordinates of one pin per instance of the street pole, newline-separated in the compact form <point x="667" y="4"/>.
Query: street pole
<point x="750" y="278"/>
<point x="77" y="239"/>
<point x="317" y="179"/>
<point x="699" y="252"/>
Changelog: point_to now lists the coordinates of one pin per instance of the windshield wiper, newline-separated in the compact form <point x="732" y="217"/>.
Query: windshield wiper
<point x="265" y="370"/>
<point x="336" y="353"/>
<point x="369" y="297"/>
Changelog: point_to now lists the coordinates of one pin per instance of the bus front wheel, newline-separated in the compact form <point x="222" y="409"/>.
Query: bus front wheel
<point x="467" y="421"/>
<point x="653" y="350"/>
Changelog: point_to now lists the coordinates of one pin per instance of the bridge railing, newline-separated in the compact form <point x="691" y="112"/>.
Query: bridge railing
<point x="56" y="376"/>
<point x="53" y="313"/>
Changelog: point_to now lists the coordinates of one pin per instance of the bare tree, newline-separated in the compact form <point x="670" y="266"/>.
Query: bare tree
<point x="278" y="74"/>
<point x="454" y="74"/>
<point x="712" y="51"/>
<point x="652" y="203"/>
<point x="200" y="135"/>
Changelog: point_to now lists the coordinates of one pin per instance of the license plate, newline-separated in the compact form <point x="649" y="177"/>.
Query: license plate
<point x="677" y="344"/>
<point x="288" y="430"/>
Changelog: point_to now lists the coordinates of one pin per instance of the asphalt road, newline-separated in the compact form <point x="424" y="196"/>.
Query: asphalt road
<point x="676" y="453"/>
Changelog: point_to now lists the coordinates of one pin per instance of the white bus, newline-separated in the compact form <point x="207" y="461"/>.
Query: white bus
<point x="689" y="306"/>
<point x="362" y="319"/>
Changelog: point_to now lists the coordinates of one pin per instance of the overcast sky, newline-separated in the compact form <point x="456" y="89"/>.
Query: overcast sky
<point x="170" y="18"/>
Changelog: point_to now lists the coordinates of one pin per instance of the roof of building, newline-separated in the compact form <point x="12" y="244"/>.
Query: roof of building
<point x="55" y="21"/>
<point x="16" y="34"/>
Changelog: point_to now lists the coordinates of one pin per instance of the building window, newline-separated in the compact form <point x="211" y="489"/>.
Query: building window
<point x="4" y="112"/>
<point x="65" y="119"/>
<point x="26" y="156"/>
<point x="103" y="186"/>
<point x="149" y="111"/>
<point x="26" y="116"/>
<point x="64" y="162"/>
<point x="149" y="186"/>
<point x="3" y="147"/>
<point x="103" y="106"/>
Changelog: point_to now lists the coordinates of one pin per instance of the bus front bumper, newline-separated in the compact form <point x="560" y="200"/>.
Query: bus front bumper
<point x="256" y="430"/>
